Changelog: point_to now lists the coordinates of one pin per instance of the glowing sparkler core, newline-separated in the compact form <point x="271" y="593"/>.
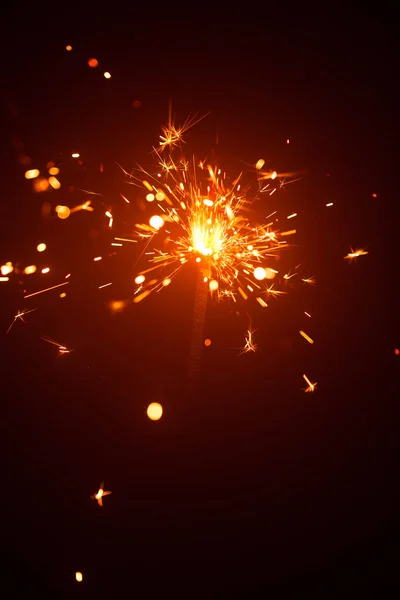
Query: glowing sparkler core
<point x="211" y="223"/>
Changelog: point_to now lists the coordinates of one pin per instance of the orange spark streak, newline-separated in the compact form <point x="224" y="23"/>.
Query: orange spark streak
<point x="306" y="337"/>
<point x="311" y="386"/>
<point x="47" y="289"/>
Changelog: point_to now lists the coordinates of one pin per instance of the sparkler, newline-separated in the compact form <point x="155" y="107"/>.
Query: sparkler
<point x="210" y="221"/>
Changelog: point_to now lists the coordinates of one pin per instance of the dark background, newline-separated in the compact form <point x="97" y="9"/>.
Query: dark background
<point x="250" y="485"/>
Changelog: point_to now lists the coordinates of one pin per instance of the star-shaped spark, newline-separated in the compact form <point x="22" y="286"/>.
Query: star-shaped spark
<point x="355" y="253"/>
<point x="100" y="494"/>
<point x="61" y="349"/>
<point x="311" y="386"/>
<point x="20" y="314"/>
<point x="249" y="345"/>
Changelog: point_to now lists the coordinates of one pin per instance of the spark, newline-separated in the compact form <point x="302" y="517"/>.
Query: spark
<point x="4" y="279"/>
<point x="105" y="285"/>
<point x="292" y="216"/>
<point x="309" y="280"/>
<point x="249" y="345"/>
<point x="275" y="293"/>
<point x="61" y="349"/>
<point x="355" y="253"/>
<point x="20" y="316"/>
<point x="47" y="289"/>
<point x="100" y="494"/>
<point x="329" y="204"/>
<point x="311" y="386"/>
<point x="308" y="315"/>
<point x="78" y="574"/>
<point x="306" y="337"/>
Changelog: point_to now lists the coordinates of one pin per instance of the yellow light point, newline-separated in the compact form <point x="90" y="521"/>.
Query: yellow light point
<point x="7" y="268"/>
<point x="45" y="270"/>
<point x="355" y="253"/>
<point x="139" y="279"/>
<point x="107" y="75"/>
<point x="55" y="184"/>
<point x="54" y="171"/>
<point x="274" y="175"/>
<point x="4" y="279"/>
<point x="29" y="270"/>
<point x="97" y="258"/>
<point x="306" y="337"/>
<point x="32" y="174"/>
<point x="260" y="273"/>
<point x="100" y="494"/>
<point x="41" y="247"/>
<point x="150" y="197"/>
<point x="207" y="342"/>
<point x="213" y="285"/>
<point x="166" y="281"/>
<point x="75" y="155"/>
<point x="63" y="212"/>
<point x="160" y="196"/>
<point x="147" y="185"/>
<point x="260" y="163"/>
<point x="311" y="386"/>
<point x="292" y="216"/>
<point x="329" y="204"/>
<point x="154" y="411"/>
<point x="208" y="202"/>
<point x="78" y="574"/>
<point x="63" y="295"/>
<point x="68" y="48"/>
<point x="156" y="221"/>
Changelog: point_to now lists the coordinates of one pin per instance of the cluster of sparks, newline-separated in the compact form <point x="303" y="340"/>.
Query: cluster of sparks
<point x="202" y="217"/>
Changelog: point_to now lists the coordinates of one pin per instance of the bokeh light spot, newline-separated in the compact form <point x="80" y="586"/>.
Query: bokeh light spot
<point x="260" y="273"/>
<point x="156" y="221"/>
<point x="154" y="411"/>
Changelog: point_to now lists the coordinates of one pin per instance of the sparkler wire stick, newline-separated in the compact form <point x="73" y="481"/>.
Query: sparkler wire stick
<point x="196" y="343"/>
